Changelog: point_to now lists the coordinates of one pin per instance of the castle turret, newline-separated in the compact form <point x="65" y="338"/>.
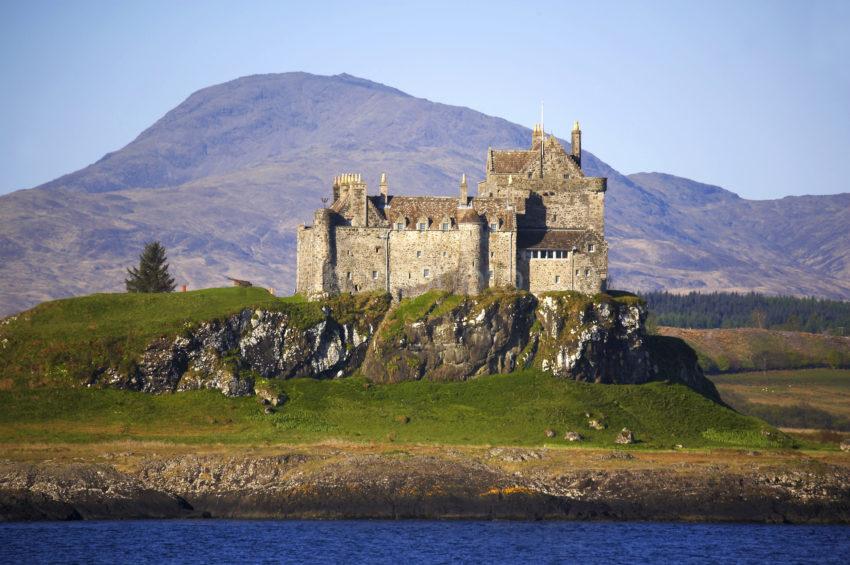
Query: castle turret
<point x="470" y="259"/>
<point x="463" y="199"/>
<point x="576" y="143"/>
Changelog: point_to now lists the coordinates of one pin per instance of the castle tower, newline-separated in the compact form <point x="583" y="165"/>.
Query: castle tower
<point x="470" y="259"/>
<point x="576" y="143"/>
<point x="322" y="242"/>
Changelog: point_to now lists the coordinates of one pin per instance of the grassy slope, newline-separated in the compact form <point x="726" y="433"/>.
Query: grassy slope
<point x="751" y="349"/>
<point x="807" y="398"/>
<point x="503" y="409"/>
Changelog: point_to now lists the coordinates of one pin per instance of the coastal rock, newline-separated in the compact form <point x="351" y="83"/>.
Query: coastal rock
<point x="845" y="445"/>
<point x="596" y="424"/>
<point x="573" y="436"/>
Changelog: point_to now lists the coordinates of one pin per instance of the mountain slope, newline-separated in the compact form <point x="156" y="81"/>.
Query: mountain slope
<point x="225" y="177"/>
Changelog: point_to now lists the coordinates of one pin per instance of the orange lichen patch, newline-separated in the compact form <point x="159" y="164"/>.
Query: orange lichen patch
<point x="507" y="491"/>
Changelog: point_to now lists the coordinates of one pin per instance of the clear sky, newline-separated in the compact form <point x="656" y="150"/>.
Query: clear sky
<point x="751" y="95"/>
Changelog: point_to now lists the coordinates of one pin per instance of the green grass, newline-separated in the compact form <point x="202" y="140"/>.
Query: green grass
<point x="60" y="343"/>
<point x="807" y="398"/>
<point x="511" y="409"/>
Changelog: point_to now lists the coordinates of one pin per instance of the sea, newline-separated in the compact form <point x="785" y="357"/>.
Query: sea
<point x="408" y="542"/>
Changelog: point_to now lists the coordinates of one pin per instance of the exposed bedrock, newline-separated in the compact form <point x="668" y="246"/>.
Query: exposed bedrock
<point x="481" y="484"/>
<point x="436" y="336"/>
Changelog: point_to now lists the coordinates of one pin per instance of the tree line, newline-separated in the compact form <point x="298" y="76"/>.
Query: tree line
<point x="750" y="310"/>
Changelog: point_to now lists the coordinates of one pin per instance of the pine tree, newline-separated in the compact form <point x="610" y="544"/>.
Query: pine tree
<point x="152" y="273"/>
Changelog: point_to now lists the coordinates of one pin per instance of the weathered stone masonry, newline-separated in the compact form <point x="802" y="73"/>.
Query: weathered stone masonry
<point x="537" y="223"/>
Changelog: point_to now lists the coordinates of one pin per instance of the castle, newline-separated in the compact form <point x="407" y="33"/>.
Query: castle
<point x="537" y="223"/>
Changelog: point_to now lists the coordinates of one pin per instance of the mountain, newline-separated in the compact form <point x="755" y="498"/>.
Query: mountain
<point x="224" y="178"/>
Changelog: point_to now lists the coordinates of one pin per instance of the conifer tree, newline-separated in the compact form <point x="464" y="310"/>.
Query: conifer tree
<point x="152" y="273"/>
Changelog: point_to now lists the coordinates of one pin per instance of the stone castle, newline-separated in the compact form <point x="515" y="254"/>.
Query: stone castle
<point x="537" y="223"/>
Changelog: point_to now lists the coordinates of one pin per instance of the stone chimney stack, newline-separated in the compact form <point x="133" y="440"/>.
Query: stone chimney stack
<point x="385" y="189"/>
<point x="537" y="134"/>
<point x="576" y="143"/>
<point x="463" y="199"/>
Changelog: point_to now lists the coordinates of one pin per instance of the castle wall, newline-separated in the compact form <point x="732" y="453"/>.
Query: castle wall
<point x="501" y="259"/>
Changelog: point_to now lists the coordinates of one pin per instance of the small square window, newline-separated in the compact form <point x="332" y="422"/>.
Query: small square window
<point x="577" y="271"/>
<point x="444" y="253"/>
<point x="426" y="273"/>
<point x="348" y="275"/>
<point x="492" y="254"/>
<point x="587" y="272"/>
<point x="374" y="275"/>
<point x="590" y="248"/>
<point x="494" y="226"/>
<point x="445" y="226"/>
<point x="377" y="249"/>
<point x="557" y="279"/>
<point x="489" y="274"/>
<point x="529" y="174"/>
<point x="418" y="254"/>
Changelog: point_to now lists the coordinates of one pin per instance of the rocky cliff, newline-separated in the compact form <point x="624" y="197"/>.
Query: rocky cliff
<point x="600" y="339"/>
<point x="423" y="482"/>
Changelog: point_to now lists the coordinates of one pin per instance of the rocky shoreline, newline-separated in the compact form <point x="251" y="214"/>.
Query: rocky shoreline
<point x="393" y="482"/>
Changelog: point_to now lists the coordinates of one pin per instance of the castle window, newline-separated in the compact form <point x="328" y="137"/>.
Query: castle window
<point x="492" y="254"/>
<point x="566" y="176"/>
<point x="399" y="226"/>
<point x="444" y="253"/>
<point x="489" y="274"/>
<point x="494" y="226"/>
<point x="577" y="272"/>
<point x="377" y="249"/>
<point x="557" y="279"/>
<point x="590" y="248"/>
<point x="348" y="275"/>
<point x="418" y="254"/>
<point x="422" y="226"/>
<point x="587" y="272"/>
<point x="529" y="174"/>
<point x="426" y="273"/>
<point x="554" y="217"/>
<point x="374" y="275"/>
<point x="445" y="226"/>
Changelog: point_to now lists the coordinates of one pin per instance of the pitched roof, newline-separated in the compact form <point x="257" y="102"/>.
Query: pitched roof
<point x="548" y="239"/>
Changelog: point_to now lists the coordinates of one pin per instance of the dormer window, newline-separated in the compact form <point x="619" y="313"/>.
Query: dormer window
<point x="422" y="226"/>
<point x="446" y="226"/>
<point x="494" y="226"/>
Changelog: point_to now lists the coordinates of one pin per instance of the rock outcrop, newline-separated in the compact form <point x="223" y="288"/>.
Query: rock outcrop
<point x="230" y="354"/>
<point x="447" y="337"/>
<point x="475" y="483"/>
<point x="436" y="336"/>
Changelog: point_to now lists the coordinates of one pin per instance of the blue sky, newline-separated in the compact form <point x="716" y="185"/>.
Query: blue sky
<point x="753" y="96"/>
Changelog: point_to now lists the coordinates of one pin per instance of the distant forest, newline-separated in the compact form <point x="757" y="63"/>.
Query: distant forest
<point x="752" y="310"/>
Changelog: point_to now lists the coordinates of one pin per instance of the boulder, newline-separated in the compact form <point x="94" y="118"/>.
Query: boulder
<point x="625" y="437"/>
<point x="573" y="436"/>
<point x="550" y="432"/>
<point x="845" y="445"/>
<point x="596" y="424"/>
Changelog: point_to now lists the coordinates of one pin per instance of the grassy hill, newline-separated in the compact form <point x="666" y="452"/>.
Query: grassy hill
<point x="46" y="353"/>
<point x="810" y="399"/>
<point x="751" y="349"/>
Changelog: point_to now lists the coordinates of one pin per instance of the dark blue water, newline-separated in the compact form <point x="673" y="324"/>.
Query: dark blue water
<point x="222" y="541"/>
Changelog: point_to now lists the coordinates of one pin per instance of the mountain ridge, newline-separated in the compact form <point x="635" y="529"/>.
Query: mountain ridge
<point x="224" y="178"/>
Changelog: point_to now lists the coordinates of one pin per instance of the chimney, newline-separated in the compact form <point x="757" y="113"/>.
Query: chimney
<point x="385" y="189"/>
<point x="463" y="200"/>
<point x="576" y="143"/>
